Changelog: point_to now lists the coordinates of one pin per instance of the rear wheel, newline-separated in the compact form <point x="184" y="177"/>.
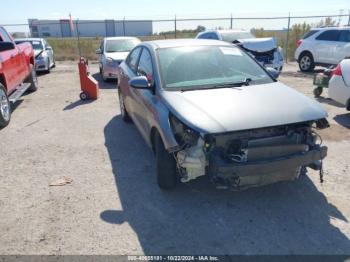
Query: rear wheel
<point x="123" y="112"/>
<point x="5" y="107"/>
<point x="306" y="62"/>
<point x="33" y="80"/>
<point x="165" y="166"/>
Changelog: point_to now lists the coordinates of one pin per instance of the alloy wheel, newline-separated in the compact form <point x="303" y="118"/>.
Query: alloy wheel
<point x="4" y="105"/>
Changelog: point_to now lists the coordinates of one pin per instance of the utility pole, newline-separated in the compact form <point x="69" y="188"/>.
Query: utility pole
<point x="287" y="40"/>
<point x="124" y="26"/>
<point x="78" y="36"/>
<point x="175" y="26"/>
<point x="349" y="17"/>
<point x="231" y="22"/>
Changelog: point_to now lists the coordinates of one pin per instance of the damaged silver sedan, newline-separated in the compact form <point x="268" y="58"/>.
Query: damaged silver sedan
<point x="206" y="108"/>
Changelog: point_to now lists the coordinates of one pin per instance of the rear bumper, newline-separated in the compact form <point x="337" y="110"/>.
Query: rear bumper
<point x="263" y="172"/>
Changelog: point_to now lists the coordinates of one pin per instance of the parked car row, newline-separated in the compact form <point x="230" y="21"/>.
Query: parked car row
<point x="206" y="107"/>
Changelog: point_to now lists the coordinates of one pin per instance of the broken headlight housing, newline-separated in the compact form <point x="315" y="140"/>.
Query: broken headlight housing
<point x="184" y="135"/>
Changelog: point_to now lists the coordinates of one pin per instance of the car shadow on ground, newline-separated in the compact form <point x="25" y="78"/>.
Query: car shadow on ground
<point x="328" y="101"/>
<point x="109" y="84"/>
<point x="195" y="218"/>
<point x="343" y="119"/>
<point x="77" y="103"/>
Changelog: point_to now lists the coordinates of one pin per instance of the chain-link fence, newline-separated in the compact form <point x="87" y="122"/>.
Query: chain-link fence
<point x="81" y="37"/>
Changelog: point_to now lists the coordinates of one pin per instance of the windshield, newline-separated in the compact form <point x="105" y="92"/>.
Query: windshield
<point x="201" y="67"/>
<point x="120" y="45"/>
<point x="37" y="45"/>
<point x="232" y="36"/>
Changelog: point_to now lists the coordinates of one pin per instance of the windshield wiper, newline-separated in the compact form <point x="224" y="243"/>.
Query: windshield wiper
<point x="245" y="82"/>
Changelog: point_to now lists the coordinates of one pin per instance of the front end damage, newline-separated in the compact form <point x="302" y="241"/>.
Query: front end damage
<point x="250" y="158"/>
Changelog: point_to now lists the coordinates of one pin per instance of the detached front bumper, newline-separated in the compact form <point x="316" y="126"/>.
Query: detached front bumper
<point x="257" y="173"/>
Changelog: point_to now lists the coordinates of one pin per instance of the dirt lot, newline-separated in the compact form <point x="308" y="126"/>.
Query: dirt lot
<point x="114" y="206"/>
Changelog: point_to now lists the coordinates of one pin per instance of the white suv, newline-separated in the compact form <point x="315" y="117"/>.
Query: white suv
<point x="323" y="47"/>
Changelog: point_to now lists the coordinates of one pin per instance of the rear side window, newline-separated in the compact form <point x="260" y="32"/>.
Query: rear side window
<point x="330" y="35"/>
<point x="131" y="61"/>
<point x="310" y="33"/>
<point x="344" y="36"/>
<point x="4" y="36"/>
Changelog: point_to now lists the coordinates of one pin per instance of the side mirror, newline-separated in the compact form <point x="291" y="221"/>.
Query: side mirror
<point x="98" y="51"/>
<point x="5" y="46"/>
<point x="273" y="72"/>
<point x="49" y="48"/>
<point x="139" y="82"/>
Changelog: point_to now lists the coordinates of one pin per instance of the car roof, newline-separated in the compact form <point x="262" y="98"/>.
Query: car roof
<point x="184" y="42"/>
<point x="28" y="39"/>
<point x="330" y="28"/>
<point x="120" y="38"/>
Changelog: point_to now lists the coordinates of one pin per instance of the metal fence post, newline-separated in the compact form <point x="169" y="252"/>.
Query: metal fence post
<point x="287" y="40"/>
<point x="124" y="26"/>
<point x="231" y="22"/>
<point x="175" y="26"/>
<point x="78" y="36"/>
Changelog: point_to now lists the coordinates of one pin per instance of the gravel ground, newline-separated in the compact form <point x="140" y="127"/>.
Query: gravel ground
<point x="113" y="205"/>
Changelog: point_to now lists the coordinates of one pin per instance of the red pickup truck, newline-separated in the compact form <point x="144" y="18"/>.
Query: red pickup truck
<point x="17" y="73"/>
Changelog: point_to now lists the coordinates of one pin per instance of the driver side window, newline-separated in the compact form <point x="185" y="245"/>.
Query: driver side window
<point x="132" y="59"/>
<point x="145" y="67"/>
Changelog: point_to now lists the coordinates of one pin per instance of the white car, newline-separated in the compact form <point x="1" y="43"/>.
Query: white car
<point x="44" y="55"/>
<point x="264" y="50"/>
<point x="339" y="84"/>
<point x="323" y="47"/>
<point x="113" y="51"/>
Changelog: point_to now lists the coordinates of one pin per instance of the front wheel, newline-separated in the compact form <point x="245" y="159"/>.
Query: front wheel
<point x="165" y="166"/>
<point x="306" y="62"/>
<point x="5" y="108"/>
<point x="318" y="91"/>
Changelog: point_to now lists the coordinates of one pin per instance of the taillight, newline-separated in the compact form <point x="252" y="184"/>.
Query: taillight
<point x="299" y="42"/>
<point x="337" y="71"/>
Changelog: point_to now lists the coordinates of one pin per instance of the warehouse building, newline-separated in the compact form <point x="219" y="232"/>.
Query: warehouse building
<point x="89" y="28"/>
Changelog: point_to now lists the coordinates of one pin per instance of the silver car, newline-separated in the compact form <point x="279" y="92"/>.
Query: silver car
<point x="112" y="51"/>
<point x="264" y="50"/>
<point x="207" y="108"/>
<point x="44" y="55"/>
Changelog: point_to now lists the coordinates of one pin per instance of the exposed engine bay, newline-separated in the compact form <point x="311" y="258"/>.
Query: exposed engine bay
<point x="244" y="159"/>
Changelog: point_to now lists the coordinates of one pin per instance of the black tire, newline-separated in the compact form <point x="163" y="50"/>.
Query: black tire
<point x="54" y="63"/>
<point x="5" y="107"/>
<point x="33" y="80"/>
<point x="318" y="91"/>
<point x="165" y="166"/>
<point x="84" y="96"/>
<point x="123" y="112"/>
<point x="306" y="62"/>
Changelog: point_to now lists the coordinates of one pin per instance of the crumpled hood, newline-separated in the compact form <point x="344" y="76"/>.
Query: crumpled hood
<point x="258" y="44"/>
<point x="120" y="56"/>
<point x="36" y="52"/>
<point x="242" y="108"/>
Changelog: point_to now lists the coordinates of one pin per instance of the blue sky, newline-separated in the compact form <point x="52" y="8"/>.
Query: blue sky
<point x="18" y="11"/>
